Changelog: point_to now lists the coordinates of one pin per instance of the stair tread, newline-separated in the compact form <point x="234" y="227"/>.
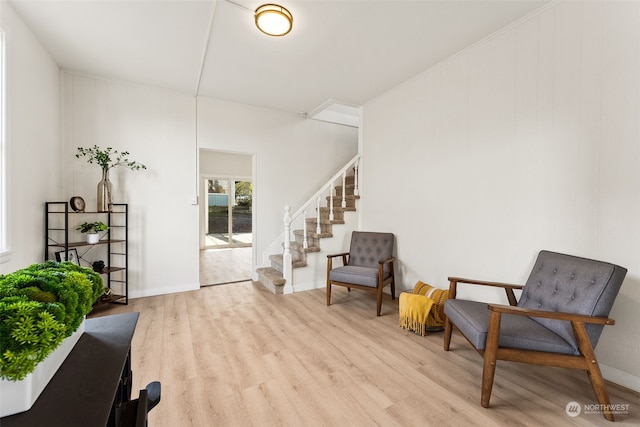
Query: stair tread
<point x="272" y="274"/>
<point x="322" y="235"/>
<point x="278" y="259"/>
<point x="298" y="246"/>
<point x="347" y="196"/>
<point x="324" y="221"/>
<point x="335" y="208"/>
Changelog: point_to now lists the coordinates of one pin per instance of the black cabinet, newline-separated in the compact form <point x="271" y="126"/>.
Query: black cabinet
<point x="63" y="242"/>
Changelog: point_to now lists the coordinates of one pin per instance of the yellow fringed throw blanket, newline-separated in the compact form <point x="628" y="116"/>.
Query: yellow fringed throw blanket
<point x="423" y="310"/>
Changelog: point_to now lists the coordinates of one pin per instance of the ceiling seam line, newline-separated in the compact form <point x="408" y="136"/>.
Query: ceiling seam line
<point x="239" y="5"/>
<point x="206" y="46"/>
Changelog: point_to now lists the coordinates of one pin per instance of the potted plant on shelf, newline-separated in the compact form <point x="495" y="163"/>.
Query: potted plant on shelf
<point x="107" y="159"/>
<point x="42" y="311"/>
<point x="92" y="229"/>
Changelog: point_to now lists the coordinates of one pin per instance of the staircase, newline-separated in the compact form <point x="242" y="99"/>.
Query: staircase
<point x="310" y="252"/>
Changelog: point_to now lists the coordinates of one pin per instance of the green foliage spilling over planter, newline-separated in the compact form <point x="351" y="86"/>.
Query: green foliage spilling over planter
<point x="39" y="307"/>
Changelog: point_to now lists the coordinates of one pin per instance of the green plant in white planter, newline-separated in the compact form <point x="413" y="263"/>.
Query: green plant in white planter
<point x="40" y="306"/>
<point x="42" y="311"/>
<point x="92" y="229"/>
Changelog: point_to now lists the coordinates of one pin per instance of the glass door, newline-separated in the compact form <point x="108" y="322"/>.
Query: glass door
<point x="228" y="221"/>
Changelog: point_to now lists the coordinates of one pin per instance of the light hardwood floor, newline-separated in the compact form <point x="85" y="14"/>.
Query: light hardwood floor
<point x="227" y="265"/>
<point x="237" y="355"/>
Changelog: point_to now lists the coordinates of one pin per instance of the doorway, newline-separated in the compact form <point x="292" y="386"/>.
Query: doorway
<point x="226" y="217"/>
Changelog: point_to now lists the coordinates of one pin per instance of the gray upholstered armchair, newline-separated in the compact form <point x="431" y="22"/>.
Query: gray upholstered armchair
<point x="558" y="320"/>
<point x="368" y="265"/>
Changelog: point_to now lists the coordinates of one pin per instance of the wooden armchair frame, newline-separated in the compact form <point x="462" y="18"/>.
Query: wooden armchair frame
<point x="382" y="282"/>
<point x="586" y="360"/>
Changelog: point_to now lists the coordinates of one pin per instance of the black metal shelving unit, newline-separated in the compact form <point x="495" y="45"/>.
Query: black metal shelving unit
<point x="113" y="246"/>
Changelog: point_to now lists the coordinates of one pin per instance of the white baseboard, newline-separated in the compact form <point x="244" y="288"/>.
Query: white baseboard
<point x="621" y="378"/>
<point x="163" y="291"/>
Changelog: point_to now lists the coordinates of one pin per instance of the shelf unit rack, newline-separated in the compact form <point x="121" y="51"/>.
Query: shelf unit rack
<point x="60" y="227"/>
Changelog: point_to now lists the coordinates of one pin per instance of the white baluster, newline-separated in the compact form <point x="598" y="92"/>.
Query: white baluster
<point x="286" y="256"/>
<point x="344" y="189"/>
<point x="333" y="189"/>
<point x="318" y="229"/>
<point x="356" y="190"/>
<point x="305" y="242"/>
<point x="287" y="230"/>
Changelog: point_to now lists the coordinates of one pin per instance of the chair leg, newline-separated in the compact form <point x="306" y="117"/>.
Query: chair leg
<point x="490" y="356"/>
<point x="379" y="300"/>
<point x="593" y="369"/>
<point x="448" y="329"/>
<point x="329" y="267"/>
<point x="154" y="391"/>
<point x="600" y="390"/>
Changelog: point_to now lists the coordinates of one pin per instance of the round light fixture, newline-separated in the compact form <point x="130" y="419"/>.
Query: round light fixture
<point x="273" y="20"/>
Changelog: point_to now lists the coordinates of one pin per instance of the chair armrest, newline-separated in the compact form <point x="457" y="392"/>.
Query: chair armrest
<point x="508" y="287"/>
<point x="381" y="265"/>
<point x="557" y="315"/>
<point x="337" y="255"/>
<point x="330" y="258"/>
<point x="386" y="261"/>
<point x="485" y="283"/>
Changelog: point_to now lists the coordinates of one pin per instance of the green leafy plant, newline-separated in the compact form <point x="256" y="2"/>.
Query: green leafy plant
<point x="108" y="158"/>
<point x="39" y="307"/>
<point x="92" y="227"/>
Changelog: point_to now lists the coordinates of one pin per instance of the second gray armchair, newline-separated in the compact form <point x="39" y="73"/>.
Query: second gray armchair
<point x="367" y="266"/>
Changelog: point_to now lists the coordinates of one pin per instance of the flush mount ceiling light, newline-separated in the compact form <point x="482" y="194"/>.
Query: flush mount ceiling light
<point x="273" y="20"/>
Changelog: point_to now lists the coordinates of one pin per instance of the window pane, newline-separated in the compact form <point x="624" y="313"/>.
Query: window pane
<point x="218" y="205"/>
<point x="241" y="224"/>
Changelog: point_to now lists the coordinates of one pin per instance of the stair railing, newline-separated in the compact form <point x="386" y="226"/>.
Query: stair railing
<point x="300" y="214"/>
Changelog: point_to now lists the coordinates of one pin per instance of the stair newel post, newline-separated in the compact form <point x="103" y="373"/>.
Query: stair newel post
<point x="356" y="190"/>
<point x="318" y="229"/>
<point x="344" y="189"/>
<point x="333" y="189"/>
<point x="305" y="242"/>
<point x="286" y="256"/>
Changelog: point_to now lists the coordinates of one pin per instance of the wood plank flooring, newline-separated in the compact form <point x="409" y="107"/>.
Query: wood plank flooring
<point x="226" y="265"/>
<point x="237" y="355"/>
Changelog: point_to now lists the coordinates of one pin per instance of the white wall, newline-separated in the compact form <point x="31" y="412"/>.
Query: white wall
<point x="223" y="164"/>
<point x="33" y="128"/>
<point x="527" y="140"/>
<point x="158" y="128"/>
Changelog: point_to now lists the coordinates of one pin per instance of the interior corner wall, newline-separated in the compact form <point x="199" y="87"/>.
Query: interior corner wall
<point x="527" y="140"/>
<point x="33" y="139"/>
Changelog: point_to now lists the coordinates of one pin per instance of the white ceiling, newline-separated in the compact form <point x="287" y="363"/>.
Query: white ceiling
<point x="350" y="50"/>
